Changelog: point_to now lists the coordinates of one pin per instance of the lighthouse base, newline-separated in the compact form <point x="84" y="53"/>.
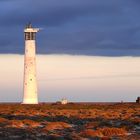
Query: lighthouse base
<point x="30" y="101"/>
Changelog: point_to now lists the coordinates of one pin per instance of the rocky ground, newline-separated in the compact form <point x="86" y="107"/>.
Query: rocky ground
<point x="120" y="121"/>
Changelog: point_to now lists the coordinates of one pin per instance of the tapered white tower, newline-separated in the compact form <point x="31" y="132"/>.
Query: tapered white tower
<point x="30" y="82"/>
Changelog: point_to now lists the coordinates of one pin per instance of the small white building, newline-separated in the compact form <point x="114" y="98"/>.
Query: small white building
<point x="64" y="101"/>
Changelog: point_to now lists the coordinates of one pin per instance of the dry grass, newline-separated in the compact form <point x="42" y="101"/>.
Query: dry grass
<point x="91" y="133"/>
<point x="72" y="120"/>
<point x="112" y="131"/>
<point x="23" y="123"/>
<point x="56" y="126"/>
<point x="103" y="132"/>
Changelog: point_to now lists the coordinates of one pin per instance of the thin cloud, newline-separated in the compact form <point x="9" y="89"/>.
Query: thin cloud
<point x="92" y="77"/>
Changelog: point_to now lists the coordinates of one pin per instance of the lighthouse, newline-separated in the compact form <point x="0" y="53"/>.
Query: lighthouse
<point x="30" y="82"/>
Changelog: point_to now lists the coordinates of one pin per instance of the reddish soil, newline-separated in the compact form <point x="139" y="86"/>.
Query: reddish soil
<point x="120" y="121"/>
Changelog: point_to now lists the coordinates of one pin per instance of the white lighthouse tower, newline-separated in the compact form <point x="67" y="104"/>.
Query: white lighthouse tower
<point x="30" y="82"/>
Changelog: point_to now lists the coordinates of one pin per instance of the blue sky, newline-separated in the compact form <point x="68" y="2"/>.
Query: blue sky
<point x="87" y="27"/>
